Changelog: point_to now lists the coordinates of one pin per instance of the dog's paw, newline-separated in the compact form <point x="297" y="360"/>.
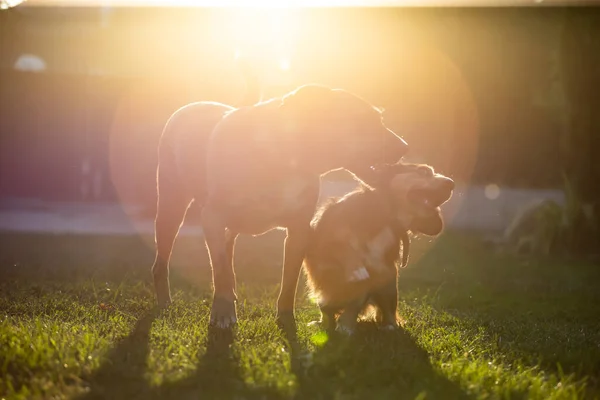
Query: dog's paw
<point x="389" y="327"/>
<point x="358" y="275"/>
<point x="223" y="314"/>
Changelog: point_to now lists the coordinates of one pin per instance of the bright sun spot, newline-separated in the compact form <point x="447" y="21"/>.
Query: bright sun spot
<point x="284" y="64"/>
<point x="6" y="4"/>
<point x="267" y="34"/>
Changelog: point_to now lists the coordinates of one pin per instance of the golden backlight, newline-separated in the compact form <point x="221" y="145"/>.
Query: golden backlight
<point x="289" y="3"/>
<point x="167" y="58"/>
<point x="6" y="4"/>
<point x="262" y="33"/>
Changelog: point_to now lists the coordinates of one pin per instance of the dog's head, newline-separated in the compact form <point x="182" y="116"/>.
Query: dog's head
<point x="417" y="192"/>
<point x="342" y="129"/>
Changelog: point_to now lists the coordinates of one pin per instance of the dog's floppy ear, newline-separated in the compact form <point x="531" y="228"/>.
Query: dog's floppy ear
<point x="430" y="226"/>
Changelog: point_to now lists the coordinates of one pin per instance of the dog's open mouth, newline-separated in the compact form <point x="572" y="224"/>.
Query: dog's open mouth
<point x="428" y="200"/>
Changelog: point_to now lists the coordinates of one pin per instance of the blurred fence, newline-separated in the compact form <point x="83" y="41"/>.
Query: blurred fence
<point x="66" y="137"/>
<point x="49" y="125"/>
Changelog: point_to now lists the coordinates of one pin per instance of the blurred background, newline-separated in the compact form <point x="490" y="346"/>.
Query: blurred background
<point x="504" y="100"/>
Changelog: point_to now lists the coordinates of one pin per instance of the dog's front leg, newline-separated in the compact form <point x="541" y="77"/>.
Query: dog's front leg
<point x="220" y="244"/>
<point x="386" y="300"/>
<point x="296" y="243"/>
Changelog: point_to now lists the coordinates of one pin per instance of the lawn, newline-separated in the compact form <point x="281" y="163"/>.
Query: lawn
<point x="77" y="321"/>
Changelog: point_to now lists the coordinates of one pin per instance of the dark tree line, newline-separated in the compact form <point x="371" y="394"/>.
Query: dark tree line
<point x="580" y="62"/>
<point x="535" y="75"/>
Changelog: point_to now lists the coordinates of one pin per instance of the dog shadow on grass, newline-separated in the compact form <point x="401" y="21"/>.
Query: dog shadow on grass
<point x="372" y="364"/>
<point x="217" y="376"/>
<point x="122" y="375"/>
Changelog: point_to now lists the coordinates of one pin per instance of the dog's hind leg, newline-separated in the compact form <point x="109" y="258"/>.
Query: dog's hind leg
<point x="386" y="301"/>
<point x="171" y="209"/>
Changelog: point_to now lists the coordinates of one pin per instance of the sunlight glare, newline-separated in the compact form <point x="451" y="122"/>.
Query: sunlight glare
<point x="6" y="4"/>
<point x="284" y="64"/>
<point x="263" y="34"/>
<point x="237" y="54"/>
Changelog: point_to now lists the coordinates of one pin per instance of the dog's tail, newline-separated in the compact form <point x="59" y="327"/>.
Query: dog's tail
<point x="253" y="93"/>
<point x="405" y="240"/>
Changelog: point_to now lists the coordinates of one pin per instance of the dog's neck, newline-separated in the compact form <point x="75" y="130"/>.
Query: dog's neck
<point x="400" y="219"/>
<point x="403" y="220"/>
<point x="322" y="149"/>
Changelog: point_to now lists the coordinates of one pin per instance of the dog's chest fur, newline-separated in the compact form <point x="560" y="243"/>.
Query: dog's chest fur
<point x="355" y="234"/>
<point x="377" y="248"/>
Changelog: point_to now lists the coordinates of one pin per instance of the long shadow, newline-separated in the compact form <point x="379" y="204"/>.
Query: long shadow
<point x="373" y="364"/>
<point x="217" y="376"/>
<point x="122" y="375"/>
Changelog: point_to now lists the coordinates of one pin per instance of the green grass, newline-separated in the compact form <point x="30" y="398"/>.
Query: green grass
<point x="77" y="321"/>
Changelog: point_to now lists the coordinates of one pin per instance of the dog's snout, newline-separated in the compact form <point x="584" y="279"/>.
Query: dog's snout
<point x="447" y="184"/>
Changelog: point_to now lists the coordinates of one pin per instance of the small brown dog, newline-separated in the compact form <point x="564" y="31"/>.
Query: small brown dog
<point x="355" y="246"/>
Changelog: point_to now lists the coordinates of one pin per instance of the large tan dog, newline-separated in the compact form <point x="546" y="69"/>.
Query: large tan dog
<point x="256" y="168"/>
<point x="355" y="245"/>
